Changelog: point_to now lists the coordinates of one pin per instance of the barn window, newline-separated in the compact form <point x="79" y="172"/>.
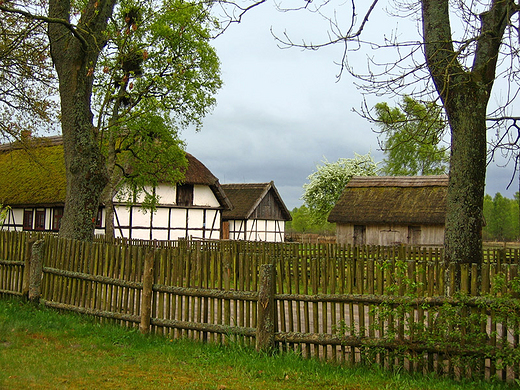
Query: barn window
<point x="27" y="219"/>
<point x="57" y="214"/>
<point x="185" y="195"/>
<point x="39" y="220"/>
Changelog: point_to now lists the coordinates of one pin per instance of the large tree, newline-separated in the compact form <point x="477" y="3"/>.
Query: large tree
<point x="75" y="50"/>
<point x="460" y="48"/>
<point x="78" y="33"/>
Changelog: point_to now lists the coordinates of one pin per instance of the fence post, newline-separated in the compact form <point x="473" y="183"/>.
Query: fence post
<point x="36" y="271"/>
<point x="266" y="310"/>
<point x="146" y="301"/>
<point x="27" y="267"/>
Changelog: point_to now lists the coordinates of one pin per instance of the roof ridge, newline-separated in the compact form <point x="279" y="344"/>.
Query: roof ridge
<point x="398" y="181"/>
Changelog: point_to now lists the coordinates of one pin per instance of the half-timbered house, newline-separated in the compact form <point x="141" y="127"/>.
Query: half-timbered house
<point x="33" y="185"/>
<point x="258" y="214"/>
<point x="389" y="210"/>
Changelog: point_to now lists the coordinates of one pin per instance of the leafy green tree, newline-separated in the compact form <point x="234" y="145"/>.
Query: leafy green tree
<point x="3" y="213"/>
<point x="80" y="37"/>
<point x="501" y="215"/>
<point x="303" y="222"/>
<point x="328" y="181"/>
<point x="157" y="75"/>
<point x="412" y="131"/>
<point x="27" y="82"/>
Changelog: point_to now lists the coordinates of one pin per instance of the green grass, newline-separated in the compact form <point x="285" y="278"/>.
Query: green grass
<point x="44" y="349"/>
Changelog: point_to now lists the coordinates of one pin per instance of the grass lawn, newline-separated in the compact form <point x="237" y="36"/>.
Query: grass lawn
<point x="44" y="349"/>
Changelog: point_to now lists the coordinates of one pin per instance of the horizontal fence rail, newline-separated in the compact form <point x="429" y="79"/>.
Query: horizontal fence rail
<point x="396" y="306"/>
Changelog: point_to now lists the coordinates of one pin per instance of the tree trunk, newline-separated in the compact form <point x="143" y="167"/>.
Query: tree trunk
<point x="465" y="201"/>
<point x="75" y="57"/>
<point x="465" y="95"/>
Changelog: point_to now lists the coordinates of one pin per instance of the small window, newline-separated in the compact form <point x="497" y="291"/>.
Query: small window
<point x="99" y="219"/>
<point x="39" y="220"/>
<point x="57" y="214"/>
<point x="185" y="195"/>
<point x="28" y="219"/>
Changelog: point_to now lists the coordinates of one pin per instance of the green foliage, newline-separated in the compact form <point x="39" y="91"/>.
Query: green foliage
<point x="502" y="218"/>
<point x="458" y="326"/>
<point x="3" y="213"/>
<point x="149" y="157"/>
<point x="413" y="132"/>
<point x="160" y="60"/>
<point x="328" y="181"/>
<point x="302" y="222"/>
<point x="27" y="82"/>
<point x="157" y="75"/>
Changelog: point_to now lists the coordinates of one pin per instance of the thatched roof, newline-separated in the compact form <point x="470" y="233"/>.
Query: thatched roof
<point x="34" y="174"/>
<point x="197" y="173"/>
<point x="246" y="198"/>
<point x="392" y="200"/>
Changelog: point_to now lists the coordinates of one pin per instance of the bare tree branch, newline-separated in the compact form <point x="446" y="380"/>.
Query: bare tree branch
<point x="46" y="19"/>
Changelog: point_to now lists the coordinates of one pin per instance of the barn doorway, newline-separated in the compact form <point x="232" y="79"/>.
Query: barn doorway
<point x="360" y="233"/>
<point x="414" y="235"/>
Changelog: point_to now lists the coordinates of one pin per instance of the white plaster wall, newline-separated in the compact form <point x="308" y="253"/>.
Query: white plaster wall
<point x="139" y="234"/>
<point x="161" y="217"/>
<point x="178" y="217"/>
<point x="166" y="194"/>
<point x="120" y="233"/>
<point x="195" y="218"/>
<point x="203" y="196"/>
<point x="15" y="217"/>
<point x="140" y="217"/>
<point x="123" y="216"/>
<point x="257" y="230"/>
<point x="236" y="230"/>
<point x="160" y="235"/>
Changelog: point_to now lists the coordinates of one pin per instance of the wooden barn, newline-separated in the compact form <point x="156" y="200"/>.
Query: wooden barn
<point x="391" y="210"/>
<point x="33" y="185"/>
<point x="258" y="214"/>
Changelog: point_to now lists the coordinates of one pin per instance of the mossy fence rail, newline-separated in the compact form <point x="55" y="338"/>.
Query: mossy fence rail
<point x="384" y="305"/>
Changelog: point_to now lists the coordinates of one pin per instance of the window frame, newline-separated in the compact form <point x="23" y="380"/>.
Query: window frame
<point x="28" y="219"/>
<point x="39" y="220"/>
<point x="57" y="214"/>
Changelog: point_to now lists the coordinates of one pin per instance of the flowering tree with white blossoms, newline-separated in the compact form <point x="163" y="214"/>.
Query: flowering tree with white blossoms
<point x="328" y="181"/>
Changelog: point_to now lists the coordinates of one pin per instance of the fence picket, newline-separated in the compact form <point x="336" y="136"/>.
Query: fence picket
<point x="327" y="295"/>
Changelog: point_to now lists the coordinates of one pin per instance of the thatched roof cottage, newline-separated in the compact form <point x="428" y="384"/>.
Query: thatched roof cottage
<point x="258" y="214"/>
<point x="391" y="210"/>
<point x="33" y="185"/>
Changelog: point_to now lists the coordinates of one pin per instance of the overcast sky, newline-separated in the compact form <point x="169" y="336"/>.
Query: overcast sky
<point x="282" y="112"/>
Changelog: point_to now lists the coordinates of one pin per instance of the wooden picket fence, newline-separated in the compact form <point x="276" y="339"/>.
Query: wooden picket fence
<point x="387" y="305"/>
